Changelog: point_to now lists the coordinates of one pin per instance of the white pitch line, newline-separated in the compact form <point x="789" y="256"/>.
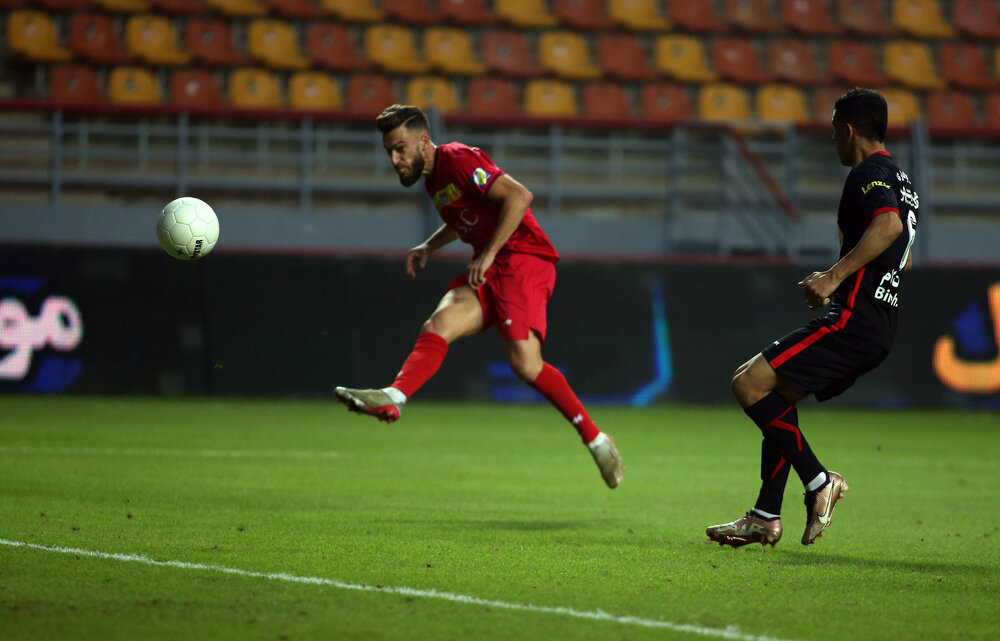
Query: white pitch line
<point x="727" y="633"/>
<point x="138" y="451"/>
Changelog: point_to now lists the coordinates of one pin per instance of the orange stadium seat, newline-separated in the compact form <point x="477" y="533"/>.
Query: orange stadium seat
<point x="369" y="93"/>
<point x="354" y="10"/>
<point x="239" y="8"/>
<point x="254" y="89"/>
<point x="910" y="63"/>
<point x="93" y="37"/>
<point x="921" y="18"/>
<point x="782" y="103"/>
<point x="565" y="54"/>
<point x="508" y="52"/>
<point x="736" y="59"/>
<point x="133" y="86"/>
<point x="622" y="55"/>
<point x="698" y="16"/>
<point x="723" y="102"/>
<point x="123" y="6"/>
<point x="524" y="14"/>
<point x="904" y="106"/>
<point x="977" y="18"/>
<point x="991" y="111"/>
<point x="195" y="88"/>
<point x="855" y="63"/>
<point x="449" y="50"/>
<point x="964" y="66"/>
<point x="492" y="96"/>
<point x="432" y="92"/>
<point x="275" y="44"/>
<point x="823" y="100"/>
<point x="951" y="110"/>
<point x="151" y="39"/>
<point x="665" y="102"/>
<point x="809" y="17"/>
<point x="74" y="85"/>
<point x="417" y="12"/>
<point x="638" y="15"/>
<point x="210" y="42"/>
<point x="393" y="49"/>
<point x="683" y="58"/>
<point x="296" y="9"/>
<point x="332" y="46"/>
<point x="313" y="91"/>
<point x="753" y="16"/>
<point x="550" y="98"/>
<point x="179" y="7"/>
<point x="583" y="14"/>
<point x="865" y="18"/>
<point x="32" y="35"/>
<point x="607" y="100"/>
<point x="467" y="12"/>
<point x="792" y="60"/>
<point x="55" y="5"/>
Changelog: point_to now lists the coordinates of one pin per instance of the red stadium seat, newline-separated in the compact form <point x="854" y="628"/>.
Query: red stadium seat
<point x="297" y="9"/>
<point x="606" y="100"/>
<point x="193" y="88"/>
<point x="753" y="16"/>
<point x="180" y="7"/>
<point x="978" y="18"/>
<point x="736" y="59"/>
<point x="210" y="41"/>
<point x="582" y="14"/>
<point x="698" y="16"/>
<point x="369" y="93"/>
<point x="417" y="12"/>
<point x="93" y="37"/>
<point x="74" y="85"/>
<point x="665" y="102"/>
<point x="854" y="63"/>
<point x="951" y="110"/>
<point x="865" y="18"/>
<point x="56" y="5"/>
<point x="991" y="111"/>
<point x="492" y="97"/>
<point x="331" y="45"/>
<point x="823" y="100"/>
<point x="809" y="17"/>
<point x="508" y="52"/>
<point x="964" y="66"/>
<point x="469" y="12"/>
<point x="792" y="60"/>
<point x="622" y="56"/>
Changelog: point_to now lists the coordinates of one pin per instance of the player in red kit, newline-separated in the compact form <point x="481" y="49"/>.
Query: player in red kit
<point x="508" y="283"/>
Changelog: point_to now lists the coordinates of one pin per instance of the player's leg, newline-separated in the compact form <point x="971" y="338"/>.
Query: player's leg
<point x="458" y="314"/>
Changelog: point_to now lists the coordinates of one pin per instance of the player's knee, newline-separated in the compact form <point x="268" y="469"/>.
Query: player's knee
<point x="526" y="368"/>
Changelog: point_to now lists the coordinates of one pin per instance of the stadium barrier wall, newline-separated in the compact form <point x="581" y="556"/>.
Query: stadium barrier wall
<point x="117" y="321"/>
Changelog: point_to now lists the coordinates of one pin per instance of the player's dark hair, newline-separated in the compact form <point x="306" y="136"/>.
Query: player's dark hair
<point x="407" y="115"/>
<point x="865" y="110"/>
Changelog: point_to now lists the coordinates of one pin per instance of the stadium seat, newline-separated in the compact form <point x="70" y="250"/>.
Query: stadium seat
<point x="210" y="42"/>
<point x="493" y="97"/>
<point x="415" y="12"/>
<point x="369" y="93"/>
<point x="991" y="111"/>
<point x="549" y="98"/>
<point x="93" y="37"/>
<point x="393" y="49"/>
<point x="665" y="102"/>
<point x="977" y="18"/>
<point x="951" y="110"/>
<point x="354" y="10"/>
<point x="638" y="15"/>
<point x="792" y="60"/>
<point x="855" y="63"/>
<point x="122" y="6"/>
<point x="606" y="100"/>
<point x="622" y="56"/>
<point x="683" y="58"/>
<point x="54" y="5"/>
<point x="275" y="44"/>
<point x="133" y="86"/>
<point x="296" y="9"/>
<point x="32" y="35"/>
<point x="449" y="50"/>
<point x="432" y="92"/>
<point x="752" y="16"/>
<point x="910" y="64"/>
<point x="254" y="89"/>
<point x="904" y="106"/>
<point x="239" y="8"/>
<point x="565" y="54"/>
<point x="195" y="88"/>
<point x="823" y="100"/>
<point x="723" y="102"/>
<point x="583" y="15"/>
<point x="467" y="12"/>
<point x="180" y="7"/>
<point x="74" y="85"/>
<point x="865" y="18"/>
<point x="964" y="66"/>
<point x="332" y="46"/>
<point x="697" y="16"/>
<point x="508" y="52"/>
<point x="736" y="59"/>
<point x="525" y="14"/>
<point x="783" y="104"/>
<point x="151" y="39"/>
<point x="921" y="18"/>
<point x="313" y="91"/>
<point x="809" y="17"/>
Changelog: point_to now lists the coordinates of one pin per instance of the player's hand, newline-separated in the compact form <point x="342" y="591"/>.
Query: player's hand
<point x="817" y="288"/>
<point x="416" y="257"/>
<point x="478" y="268"/>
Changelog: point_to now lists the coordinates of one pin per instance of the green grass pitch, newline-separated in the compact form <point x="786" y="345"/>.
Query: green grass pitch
<point x="150" y="519"/>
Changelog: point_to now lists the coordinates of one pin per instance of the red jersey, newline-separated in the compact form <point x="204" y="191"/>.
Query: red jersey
<point x="462" y="176"/>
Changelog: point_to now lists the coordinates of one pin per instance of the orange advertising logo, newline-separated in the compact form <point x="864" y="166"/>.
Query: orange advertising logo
<point x="968" y="376"/>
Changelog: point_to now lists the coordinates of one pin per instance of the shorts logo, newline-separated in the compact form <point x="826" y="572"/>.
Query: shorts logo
<point x="480" y="177"/>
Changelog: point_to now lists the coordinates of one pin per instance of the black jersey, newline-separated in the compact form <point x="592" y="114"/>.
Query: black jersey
<point x="866" y="303"/>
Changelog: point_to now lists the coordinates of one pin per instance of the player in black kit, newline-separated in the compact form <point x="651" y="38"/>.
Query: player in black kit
<point x="877" y="220"/>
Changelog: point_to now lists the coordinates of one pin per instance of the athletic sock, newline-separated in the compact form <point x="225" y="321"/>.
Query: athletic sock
<point x="553" y="386"/>
<point x="422" y="363"/>
<point x="774" y="470"/>
<point x="779" y="422"/>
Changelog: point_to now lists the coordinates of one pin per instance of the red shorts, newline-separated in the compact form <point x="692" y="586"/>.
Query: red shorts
<point x="517" y="291"/>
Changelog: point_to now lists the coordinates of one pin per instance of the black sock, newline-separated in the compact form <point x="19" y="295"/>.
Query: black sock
<point x="773" y="478"/>
<point x="779" y="422"/>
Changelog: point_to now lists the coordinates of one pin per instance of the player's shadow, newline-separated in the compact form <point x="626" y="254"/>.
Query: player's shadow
<point x="802" y="558"/>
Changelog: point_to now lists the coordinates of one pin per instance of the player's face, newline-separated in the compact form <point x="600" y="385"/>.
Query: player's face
<point x="405" y="149"/>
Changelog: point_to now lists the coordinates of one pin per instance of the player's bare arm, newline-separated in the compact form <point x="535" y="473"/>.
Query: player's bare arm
<point x="417" y="257"/>
<point x="819" y="286"/>
<point x="515" y="198"/>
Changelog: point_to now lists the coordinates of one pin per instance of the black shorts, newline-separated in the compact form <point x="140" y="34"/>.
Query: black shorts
<point x="820" y="360"/>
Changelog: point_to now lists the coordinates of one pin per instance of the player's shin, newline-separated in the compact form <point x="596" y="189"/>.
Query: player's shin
<point x="779" y="422"/>
<point x="553" y="386"/>
<point x="422" y="363"/>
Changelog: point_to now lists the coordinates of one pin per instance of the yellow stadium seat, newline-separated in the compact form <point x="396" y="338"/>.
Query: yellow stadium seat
<point x="911" y="64"/>
<point x="32" y="35"/>
<point x="254" y="89"/>
<point x="550" y="98"/>
<point x="449" y="50"/>
<point x="151" y="39"/>
<point x="638" y="15"/>
<point x="921" y="18"/>
<point x="432" y="92"/>
<point x="313" y="91"/>
<point x="274" y="43"/>
<point x="239" y="8"/>
<point x="904" y="106"/>
<point x="565" y="54"/>
<point x="782" y="103"/>
<point x="354" y="10"/>
<point x="525" y="13"/>
<point x="723" y="102"/>
<point x="683" y="58"/>
<point x="133" y="86"/>
<point x="393" y="48"/>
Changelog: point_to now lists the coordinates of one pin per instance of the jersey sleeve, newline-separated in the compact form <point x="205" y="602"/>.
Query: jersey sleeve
<point x="878" y="196"/>
<point x="474" y="170"/>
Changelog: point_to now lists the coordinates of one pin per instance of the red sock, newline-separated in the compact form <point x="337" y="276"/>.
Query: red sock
<point x="422" y="363"/>
<point x="553" y="386"/>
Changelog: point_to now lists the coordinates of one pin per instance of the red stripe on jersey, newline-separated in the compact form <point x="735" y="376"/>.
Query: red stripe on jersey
<point x="878" y="212"/>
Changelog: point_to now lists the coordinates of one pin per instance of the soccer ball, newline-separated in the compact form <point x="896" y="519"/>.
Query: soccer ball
<point x="187" y="228"/>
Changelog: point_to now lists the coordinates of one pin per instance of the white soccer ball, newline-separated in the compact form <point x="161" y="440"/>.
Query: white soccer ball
<point x="187" y="228"/>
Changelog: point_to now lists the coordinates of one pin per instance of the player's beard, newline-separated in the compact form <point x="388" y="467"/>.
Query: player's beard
<point x="416" y="170"/>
